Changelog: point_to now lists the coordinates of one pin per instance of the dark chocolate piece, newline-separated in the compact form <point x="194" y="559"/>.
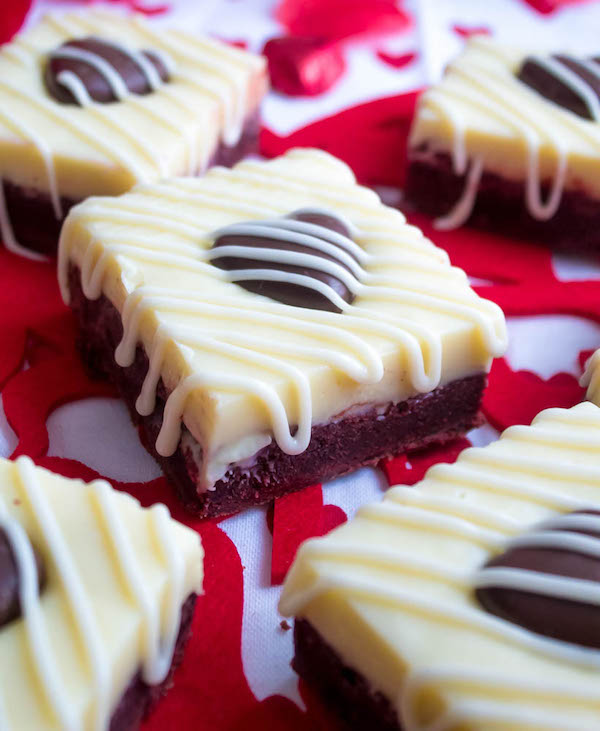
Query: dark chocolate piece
<point x="9" y="580"/>
<point x="344" y="444"/>
<point x="563" y="619"/>
<point x="287" y="292"/>
<point x="96" y="83"/>
<point x="562" y="80"/>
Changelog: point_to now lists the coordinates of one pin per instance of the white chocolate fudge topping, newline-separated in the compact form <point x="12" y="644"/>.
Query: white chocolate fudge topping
<point x="241" y="368"/>
<point x="103" y="149"/>
<point x="393" y="591"/>
<point x="486" y="119"/>
<point x="117" y="576"/>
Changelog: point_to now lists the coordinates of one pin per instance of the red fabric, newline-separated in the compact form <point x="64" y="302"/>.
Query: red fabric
<point x="397" y="61"/>
<point x="408" y="469"/>
<point x="12" y="17"/>
<point x="515" y="397"/>
<point x="303" y="66"/>
<point x="550" y="6"/>
<point x="297" y="517"/>
<point x="310" y="59"/>
<point x="369" y="137"/>
<point x="466" y="31"/>
<point x="338" y="19"/>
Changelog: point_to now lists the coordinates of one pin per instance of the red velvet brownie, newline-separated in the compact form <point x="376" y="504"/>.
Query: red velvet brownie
<point x="92" y="103"/>
<point x="510" y="142"/>
<point x="96" y="602"/>
<point x="274" y="325"/>
<point x="469" y="601"/>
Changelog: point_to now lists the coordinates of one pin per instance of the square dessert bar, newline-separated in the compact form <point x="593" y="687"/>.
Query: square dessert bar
<point x="274" y="325"/>
<point x="510" y="141"/>
<point x="469" y="601"/>
<point x="94" y="102"/>
<point x="97" y="597"/>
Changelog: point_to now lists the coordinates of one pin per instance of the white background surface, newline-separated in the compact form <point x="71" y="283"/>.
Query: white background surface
<point x="98" y="432"/>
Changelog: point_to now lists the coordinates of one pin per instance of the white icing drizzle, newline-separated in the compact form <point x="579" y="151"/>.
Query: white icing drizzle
<point x="158" y="643"/>
<point x="157" y="655"/>
<point x="75" y="85"/>
<point x="496" y="486"/>
<point x="491" y="709"/>
<point x="536" y="582"/>
<point x="549" y="536"/>
<point x="423" y="350"/>
<point x="143" y="62"/>
<point x="7" y="233"/>
<point x="493" y="90"/>
<point x="108" y="72"/>
<point x="112" y="77"/>
<point x="464" y="206"/>
<point x="37" y="637"/>
<point x="214" y="80"/>
<point x="185" y="68"/>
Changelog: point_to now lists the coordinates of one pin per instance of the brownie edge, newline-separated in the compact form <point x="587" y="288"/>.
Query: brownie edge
<point x="337" y="447"/>
<point x="340" y="687"/>
<point x="139" y="698"/>
<point x="31" y="213"/>
<point x="434" y="188"/>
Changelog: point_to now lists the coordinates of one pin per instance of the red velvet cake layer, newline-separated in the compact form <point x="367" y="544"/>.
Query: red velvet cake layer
<point x="434" y="189"/>
<point x="337" y="447"/>
<point x="32" y="216"/>
<point x="343" y="689"/>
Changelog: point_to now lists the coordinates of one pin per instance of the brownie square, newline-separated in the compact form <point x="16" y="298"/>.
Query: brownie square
<point x="97" y="597"/>
<point x="508" y="141"/>
<point x="469" y="600"/>
<point x="93" y="102"/>
<point x="274" y="325"/>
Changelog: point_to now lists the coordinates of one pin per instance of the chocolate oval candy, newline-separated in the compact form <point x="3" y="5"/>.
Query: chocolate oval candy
<point x="549" y="580"/>
<point x="9" y="579"/>
<point x="570" y="82"/>
<point x="94" y="69"/>
<point x="306" y="259"/>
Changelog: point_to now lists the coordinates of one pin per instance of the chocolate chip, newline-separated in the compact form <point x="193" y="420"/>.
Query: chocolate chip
<point x="570" y="620"/>
<point x="97" y="84"/>
<point x="550" y="78"/>
<point x="286" y="291"/>
<point x="9" y="580"/>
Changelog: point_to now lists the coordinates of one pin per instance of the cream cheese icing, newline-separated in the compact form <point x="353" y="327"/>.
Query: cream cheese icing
<point x="488" y="120"/>
<point x="72" y="151"/>
<point x="392" y="592"/>
<point x="116" y="578"/>
<point x="240" y="367"/>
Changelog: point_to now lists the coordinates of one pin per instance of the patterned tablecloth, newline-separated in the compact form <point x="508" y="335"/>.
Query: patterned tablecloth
<point x="236" y="673"/>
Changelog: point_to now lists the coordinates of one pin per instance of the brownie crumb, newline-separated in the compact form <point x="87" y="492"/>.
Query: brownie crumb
<point x="285" y="625"/>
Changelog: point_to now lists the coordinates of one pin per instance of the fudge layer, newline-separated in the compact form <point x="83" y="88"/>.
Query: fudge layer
<point x="242" y="370"/>
<point x="198" y="96"/>
<point x="488" y="147"/>
<point x="392" y="603"/>
<point x="96" y="601"/>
